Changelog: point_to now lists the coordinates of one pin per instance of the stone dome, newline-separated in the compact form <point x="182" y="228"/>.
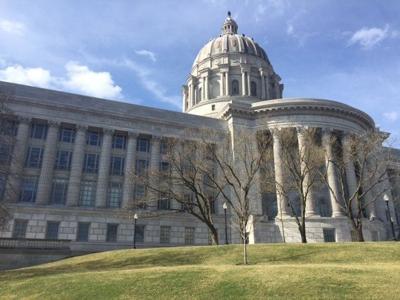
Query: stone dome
<point x="230" y="42"/>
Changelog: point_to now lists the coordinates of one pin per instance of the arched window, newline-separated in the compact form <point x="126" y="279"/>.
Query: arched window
<point x="253" y="89"/>
<point x="235" y="87"/>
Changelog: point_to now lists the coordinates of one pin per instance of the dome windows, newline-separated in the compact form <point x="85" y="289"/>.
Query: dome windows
<point x="253" y="89"/>
<point x="235" y="87"/>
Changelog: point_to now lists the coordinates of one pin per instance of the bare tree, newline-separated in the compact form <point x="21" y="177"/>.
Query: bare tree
<point x="7" y="140"/>
<point x="238" y="160"/>
<point x="360" y="164"/>
<point x="301" y="157"/>
<point x="183" y="176"/>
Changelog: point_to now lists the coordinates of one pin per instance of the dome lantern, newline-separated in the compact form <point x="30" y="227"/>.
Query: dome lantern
<point x="230" y="26"/>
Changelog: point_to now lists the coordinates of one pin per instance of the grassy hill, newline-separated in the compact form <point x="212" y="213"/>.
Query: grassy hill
<point x="313" y="271"/>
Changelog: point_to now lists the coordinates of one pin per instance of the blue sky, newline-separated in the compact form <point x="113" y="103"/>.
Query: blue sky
<point x="142" y="51"/>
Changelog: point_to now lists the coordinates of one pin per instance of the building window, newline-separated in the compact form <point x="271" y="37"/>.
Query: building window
<point x="139" y="233"/>
<point x="235" y="87"/>
<point x="82" y="234"/>
<point x="114" y="195"/>
<point x="141" y="167"/>
<point x="38" y="131"/>
<point x="5" y="154"/>
<point x="324" y="207"/>
<point x="119" y="141"/>
<point x="2" y="185"/>
<point x="140" y="192"/>
<point x="67" y="135"/>
<point x="63" y="160"/>
<point x="91" y="163"/>
<point x="19" y="230"/>
<point x="93" y="138"/>
<point x="329" y="235"/>
<point x="164" y="202"/>
<point x="253" y="89"/>
<point x="8" y="128"/>
<point x="189" y="235"/>
<point x="29" y="189"/>
<point x="34" y="157"/>
<point x="143" y="145"/>
<point x="163" y="147"/>
<point x="165" y="234"/>
<point x="117" y="164"/>
<point x="112" y="233"/>
<point x="88" y="193"/>
<point x="164" y="167"/>
<point x="52" y="230"/>
<point x="59" y="191"/>
<point x="188" y="203"/>
<point x="213" y="107"/>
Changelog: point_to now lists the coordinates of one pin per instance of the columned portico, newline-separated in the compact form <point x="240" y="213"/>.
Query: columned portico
<point x="104" y="169"/>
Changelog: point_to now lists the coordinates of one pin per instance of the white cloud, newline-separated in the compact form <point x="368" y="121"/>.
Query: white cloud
<point x="79" y="79"/>
<point x="369" y="37"/>
<point x="144" y="75"/>
<point x="12" y="27"/>
<point x="391" y="116"/>
<point x="289" y="29"/>
<point x="150" y="55"/>
<point x="30" y="76"/>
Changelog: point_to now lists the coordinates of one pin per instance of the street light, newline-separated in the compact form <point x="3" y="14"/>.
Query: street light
<point x="386" y="199"/>
<point x="225" y="207"/>
<point x="135" y="217"/>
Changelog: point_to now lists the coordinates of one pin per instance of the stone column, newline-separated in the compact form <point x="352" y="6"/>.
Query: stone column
<point x="221" y="86"/>
<point x="248" y="83"/>
<point x="281" y="197"/>
<point x="190" y="102"/>
<point x="243" y="82"/>
<point x="206" y="88"/>
<point x="262" y="83"/>
<point x="227" y="91"/>
<point x="351" y="178"/>
<point x="76" y="166"/>
<point x="104" y="169"/>
<point x="311" y="209"/>
<point x="332" y="177"/>
<point x="154" y="166"/>
<point x="46" y="172"/>
<point x="129" y="172"/>
<point x="17" y="160"/>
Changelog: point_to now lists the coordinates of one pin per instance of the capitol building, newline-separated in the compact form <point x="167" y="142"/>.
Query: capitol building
<point x="73" y="155"/>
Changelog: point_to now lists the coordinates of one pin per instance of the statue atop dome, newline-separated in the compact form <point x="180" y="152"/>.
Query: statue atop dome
<point x="230" y="26"/>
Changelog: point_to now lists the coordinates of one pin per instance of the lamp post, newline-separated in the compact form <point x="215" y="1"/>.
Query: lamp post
<point x="225" y="207"/>
<point x="386" y="199"/>
<point x="135" y="217"/>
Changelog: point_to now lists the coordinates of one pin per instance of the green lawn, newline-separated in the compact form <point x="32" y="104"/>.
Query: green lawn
<point x="313" y="271"/>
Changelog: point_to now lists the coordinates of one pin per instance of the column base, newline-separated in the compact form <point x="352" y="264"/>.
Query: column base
<point x="338" y="215"/>
<point x="311" y="214"/>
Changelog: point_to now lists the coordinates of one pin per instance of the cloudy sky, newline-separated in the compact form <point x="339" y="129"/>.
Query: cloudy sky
<point x="141" y="51"/>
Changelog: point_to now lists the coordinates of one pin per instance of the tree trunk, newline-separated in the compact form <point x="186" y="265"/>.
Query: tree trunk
<point x="359" y="230"/>
<point x="214" y="235"/>
<point x="245" y="260"/>
<point x="303" y="234"/>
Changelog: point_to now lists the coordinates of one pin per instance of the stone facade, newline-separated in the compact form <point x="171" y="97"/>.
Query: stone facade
<point x="90" y="146"/>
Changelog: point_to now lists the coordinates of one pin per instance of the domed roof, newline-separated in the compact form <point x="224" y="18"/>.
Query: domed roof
<point x="230" y="42"/>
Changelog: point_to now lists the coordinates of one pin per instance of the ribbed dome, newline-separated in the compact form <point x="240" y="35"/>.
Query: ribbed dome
<point x="230" y="42"/>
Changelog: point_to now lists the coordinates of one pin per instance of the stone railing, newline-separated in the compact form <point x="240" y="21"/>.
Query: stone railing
<point x="7" y="243"/>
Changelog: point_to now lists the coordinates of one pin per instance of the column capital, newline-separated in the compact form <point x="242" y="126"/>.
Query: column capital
<point x="301" y="130"/>
<point x="156" y="138"/>
<point x="81" y="127"/>
<point x="275" y="131"/>
<point x="24" y="120"/>
<point x="108" y="131"/>
<point x="132" y="134"/>
<point x="52" y="123"/>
